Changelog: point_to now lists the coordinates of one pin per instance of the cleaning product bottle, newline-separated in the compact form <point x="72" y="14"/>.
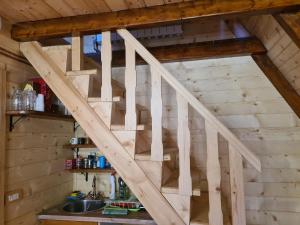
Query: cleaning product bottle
<point x="112" y="186"/>
<point x="123" y="189"/>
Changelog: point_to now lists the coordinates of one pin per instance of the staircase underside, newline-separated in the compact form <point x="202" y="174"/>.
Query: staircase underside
<point x="113" y="150"/>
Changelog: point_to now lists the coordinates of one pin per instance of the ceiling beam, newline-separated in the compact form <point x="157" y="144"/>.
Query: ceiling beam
<point x="86" y="24"/>
<point x="290" y="22"/>
<point x="279" y="81"/>
<point x="196" y="51"/>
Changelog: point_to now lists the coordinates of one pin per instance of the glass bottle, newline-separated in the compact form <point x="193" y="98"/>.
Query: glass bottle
<point x="16" y="101"/>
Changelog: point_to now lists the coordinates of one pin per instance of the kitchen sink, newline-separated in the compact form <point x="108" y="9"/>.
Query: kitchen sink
<point x="83" y="206"/>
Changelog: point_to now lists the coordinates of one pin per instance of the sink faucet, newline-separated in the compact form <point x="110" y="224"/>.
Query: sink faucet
<point x="94" y="193"/>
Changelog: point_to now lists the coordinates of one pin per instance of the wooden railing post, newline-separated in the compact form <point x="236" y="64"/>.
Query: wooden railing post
<point x="184" y="145"/>
<point x="157" y="150"/>
<point x="77" y="52"/>
<point x="237" y="187"/>
<point x="213" y="176"/>
<point x="130" y="85"/>
<point x="106" y="56"/>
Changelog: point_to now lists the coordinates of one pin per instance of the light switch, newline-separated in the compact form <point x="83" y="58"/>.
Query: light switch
<point x="13" y="196"/>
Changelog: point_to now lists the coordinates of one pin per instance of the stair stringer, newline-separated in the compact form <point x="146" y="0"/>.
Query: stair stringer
<point x="159" y="208"/>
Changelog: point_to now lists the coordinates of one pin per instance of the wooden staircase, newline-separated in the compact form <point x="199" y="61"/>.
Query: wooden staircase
<point x="171" y="195"/>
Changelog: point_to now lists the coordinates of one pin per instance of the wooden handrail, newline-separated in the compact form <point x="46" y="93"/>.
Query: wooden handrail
<point x="197" y="105"/>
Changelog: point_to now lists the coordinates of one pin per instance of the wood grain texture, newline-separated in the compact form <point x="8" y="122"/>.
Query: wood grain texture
<point x="35" y="160"/>
<point x="213" y="176"/>
<point x="157" y="149"/>
<point x="106" y="54"/>
<point x="2" y="140"/>
<point x="184" y="146"/>
<point x="128" y="169"/>
<point x="238" y="213"/>
<point x="77" y="52"/>
<point x="290" y="22"/>
<point x="191" y="99"/>
<point x="279" y="81"/>
<point x="144" y="16"/>
<point x="130" y="85"/>
<point x="194" y="51"/>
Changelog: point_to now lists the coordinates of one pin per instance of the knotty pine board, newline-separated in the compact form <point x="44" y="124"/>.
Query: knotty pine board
<point x="281" y="49"/>
<point x="241" y="96"/>
<point x="35" y="157"/>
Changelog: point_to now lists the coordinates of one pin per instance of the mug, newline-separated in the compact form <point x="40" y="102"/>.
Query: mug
<point x="81" y="141"/>
<point x="74" y="141"/>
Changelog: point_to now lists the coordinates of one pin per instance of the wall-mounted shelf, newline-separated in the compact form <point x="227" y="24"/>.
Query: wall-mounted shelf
<point x="42" y="115"/>
<point x="69" y="146"/>
<point x="91" y="170"/>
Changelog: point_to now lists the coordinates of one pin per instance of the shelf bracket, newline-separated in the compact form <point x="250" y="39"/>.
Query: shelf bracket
<point x="12" y="123"/>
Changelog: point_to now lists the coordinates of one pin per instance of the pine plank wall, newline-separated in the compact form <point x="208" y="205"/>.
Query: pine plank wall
<point x="34" y="157"/>
<point x="241" y="96"/>
<point x="234" y="89"/>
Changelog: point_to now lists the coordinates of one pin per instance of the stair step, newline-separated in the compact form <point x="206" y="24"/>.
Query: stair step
<point x="171" y="186"/>
<point x="82" y="72"/>
<point x="98" y="99"/>
<point x="57" y="47"/>
<point x="200" y="209"/>
<point x="117" y="127"/>
<point x="168" y="152"/>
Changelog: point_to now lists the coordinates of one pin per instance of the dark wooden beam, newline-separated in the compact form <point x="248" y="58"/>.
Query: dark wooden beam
<point x="87" y="24"/>
<point x="290" y="22"/>
<point x="279" y="81"/>
<point x="194" y="51"/>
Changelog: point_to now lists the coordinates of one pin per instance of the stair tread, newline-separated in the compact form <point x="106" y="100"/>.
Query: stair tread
<point x="82" y="72"/>
<point x="147" y="155"/>
<point x="98" y="99"/>
<point x="117" y="127"/>
<point x="171" y="186"/>
<point x="45" y="48"/>
<point x="200" y="209"/>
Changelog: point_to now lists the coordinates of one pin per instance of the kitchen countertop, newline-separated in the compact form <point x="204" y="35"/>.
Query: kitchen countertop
<point x="57" y="213"/>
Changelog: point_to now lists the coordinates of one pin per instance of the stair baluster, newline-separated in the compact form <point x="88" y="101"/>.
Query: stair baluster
<point x="238" y="211"/>
<point x="106" y="56"/>
<point x="157" y="151"/>
<point x="184" y="146"/>
<point x="130" y="85"/>
<point x="213" y="176"/>
<point x="77" y="52"/>
<point x="81" y="82"/>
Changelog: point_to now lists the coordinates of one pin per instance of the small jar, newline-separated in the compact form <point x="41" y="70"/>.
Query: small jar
<point x="85" y="163"/>
<point x="16" y="101"/>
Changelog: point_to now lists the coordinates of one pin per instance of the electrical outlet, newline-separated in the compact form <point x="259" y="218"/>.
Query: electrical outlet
<point x="13" y="196"/>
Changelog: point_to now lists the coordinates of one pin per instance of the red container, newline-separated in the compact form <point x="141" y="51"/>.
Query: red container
<point x="70" y="164"/>
<point x="40" y="86"/>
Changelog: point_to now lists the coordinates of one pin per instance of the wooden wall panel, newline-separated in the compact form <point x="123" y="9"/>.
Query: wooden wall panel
<point x="34" y="157"/>
<point x="241" y="96"/>
<point x="281" y="49"/>
<point x="2" y="139"/>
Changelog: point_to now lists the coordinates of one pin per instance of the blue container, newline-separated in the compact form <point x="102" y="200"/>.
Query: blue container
<point x="101" y="162"/>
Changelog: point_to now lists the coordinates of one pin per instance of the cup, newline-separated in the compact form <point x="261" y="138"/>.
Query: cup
<point x="39" y="103"/>
<point x="81" y="141"/>
<point x="74" y="141"/>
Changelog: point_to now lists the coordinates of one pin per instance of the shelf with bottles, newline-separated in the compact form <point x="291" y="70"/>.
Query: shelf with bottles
<point x="70" y="146"/>
<point x="97" y="170"/>
<point x="36" y="100"/>
<point x="34" y="114"/>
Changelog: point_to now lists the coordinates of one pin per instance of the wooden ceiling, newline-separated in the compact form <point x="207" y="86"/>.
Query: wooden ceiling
<point x="30" y="10"/>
